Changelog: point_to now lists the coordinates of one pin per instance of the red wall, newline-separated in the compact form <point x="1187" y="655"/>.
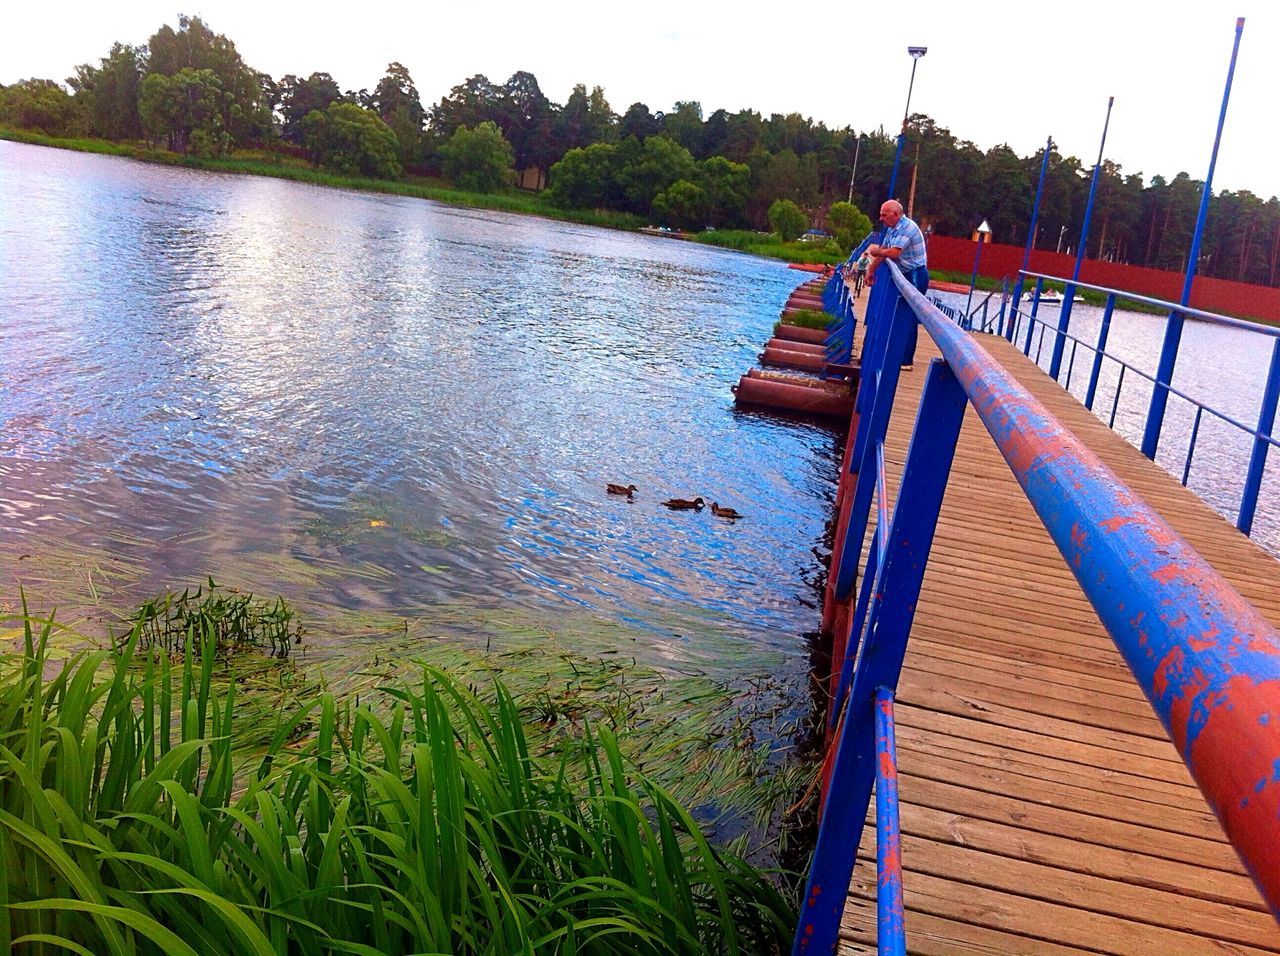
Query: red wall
<point x="1212" y="295"/>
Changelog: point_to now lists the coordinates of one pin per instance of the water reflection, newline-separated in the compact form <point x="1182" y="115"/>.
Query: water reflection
<point x="376" y="403"/>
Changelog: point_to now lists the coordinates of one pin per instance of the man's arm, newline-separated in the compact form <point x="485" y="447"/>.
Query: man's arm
<point x="877" y="253"/>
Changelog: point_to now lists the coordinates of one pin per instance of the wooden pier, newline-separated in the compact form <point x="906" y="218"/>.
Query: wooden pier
<point x="1044" y="809"/>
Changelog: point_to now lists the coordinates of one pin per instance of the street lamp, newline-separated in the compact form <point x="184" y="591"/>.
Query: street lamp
<point x="856" y="150"/>
<point x="916" y="52"/>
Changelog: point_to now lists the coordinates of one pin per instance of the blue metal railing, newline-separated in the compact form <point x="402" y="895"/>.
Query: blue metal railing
<point x="1206" y="659"/>
<point x="837" y="299"/>
<point x="1263" y="438"/>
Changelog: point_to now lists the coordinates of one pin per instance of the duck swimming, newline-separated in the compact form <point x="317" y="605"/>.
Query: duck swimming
<point x="627" y="490"/>
<point x="720" y="512"/>
<point x="684" y="504"/>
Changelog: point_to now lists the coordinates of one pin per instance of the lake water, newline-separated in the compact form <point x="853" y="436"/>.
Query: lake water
<point x="390" y="410"/>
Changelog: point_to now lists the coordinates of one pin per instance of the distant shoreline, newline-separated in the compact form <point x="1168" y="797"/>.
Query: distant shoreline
<point x="262" y="163"/>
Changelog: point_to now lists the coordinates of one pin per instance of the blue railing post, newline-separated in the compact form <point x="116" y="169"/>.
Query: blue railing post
<point x="1098" y="354"/>
<point x="1031" y="316"/>
<point x="1258" y="459"/>
<point x="1031" y="232"/>
<point x="891" y="927"/>
<point x="884" y="643"/>
<point x="1069" y="293"/>
<point x="1173" y="329"/>
<point x="882" y="375"/>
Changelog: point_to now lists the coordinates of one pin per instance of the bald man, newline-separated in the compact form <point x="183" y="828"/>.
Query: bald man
<point x="903" y="242"/>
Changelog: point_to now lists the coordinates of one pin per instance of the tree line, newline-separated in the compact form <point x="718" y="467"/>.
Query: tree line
<point x="189" y="91"/>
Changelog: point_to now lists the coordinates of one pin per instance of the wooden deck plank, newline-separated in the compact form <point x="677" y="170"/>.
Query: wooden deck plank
<point x="1044" y="809"/>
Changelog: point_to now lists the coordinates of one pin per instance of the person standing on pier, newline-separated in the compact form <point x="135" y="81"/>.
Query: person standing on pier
<point x="903" y="242"/>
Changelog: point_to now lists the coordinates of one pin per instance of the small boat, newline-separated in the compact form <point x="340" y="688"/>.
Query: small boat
<point x="1053" y="296"/>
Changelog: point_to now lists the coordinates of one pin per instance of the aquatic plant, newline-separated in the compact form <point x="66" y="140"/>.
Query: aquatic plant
<point x="233" y="620"/>
<point x="806" y="318"/>
<point x="134" y="818"/>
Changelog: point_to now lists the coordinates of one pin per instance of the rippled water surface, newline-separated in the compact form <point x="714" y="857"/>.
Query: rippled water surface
<point x="387" y="405"/>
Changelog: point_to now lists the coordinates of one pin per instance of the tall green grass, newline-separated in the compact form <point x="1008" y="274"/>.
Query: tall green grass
<point x="807" y="318"/>
<point x="137" y="814"/>
<point x="744" y="240"/>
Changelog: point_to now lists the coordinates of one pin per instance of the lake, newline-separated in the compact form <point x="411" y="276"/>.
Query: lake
<point x="399" y="415"/>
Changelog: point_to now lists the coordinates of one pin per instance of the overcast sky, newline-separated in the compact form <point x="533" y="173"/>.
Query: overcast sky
<point x="995" y="71"/>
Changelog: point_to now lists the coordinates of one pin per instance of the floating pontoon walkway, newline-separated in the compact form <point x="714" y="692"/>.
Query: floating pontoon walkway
<point x="1043" y="808"/>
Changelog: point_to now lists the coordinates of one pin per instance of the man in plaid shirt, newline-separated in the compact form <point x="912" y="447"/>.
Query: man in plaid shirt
<point x="903" y="242"/>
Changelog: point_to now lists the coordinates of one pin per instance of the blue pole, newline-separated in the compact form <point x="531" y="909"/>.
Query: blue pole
<point x="1173" y="330"/>
<point x="897" y="155"/>
<point x="1069" y="293"/>
<point x="973" y="279"/>
<point x="1031" y="233"/>
<point x="1258" y="459"/>
<point x="923" y="484"/>
<point x="1100" y="351"/>
<point x="906" y="114"/>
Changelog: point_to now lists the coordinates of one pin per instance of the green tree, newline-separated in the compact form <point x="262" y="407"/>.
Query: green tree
<point x="849" y="224"/>
<point x="1006" y="195"/>
<point x="586" y="178"/>
<point x="659" y="163"/>
<point x="478" y="159"/>
<point x="782" y="176"/>
<point x="727" y="186"/>
<point x="637" y="121"/>
<point x="246" y="104"/>
<point x="585" y="119"/>
<point x="526" y="120"/>
<point x="682" y="204"/>
<point x="109" y="93"/>
<point x="395" y="99"/>
<point x="299" y="97"/>
<point x="42" y="105"/>
<point x="186" y="110"/>
<point x="352" y="140"/>
<point x="742" y="134"/>
<point x="787" y="219"/>
<point x="684" y="125"/>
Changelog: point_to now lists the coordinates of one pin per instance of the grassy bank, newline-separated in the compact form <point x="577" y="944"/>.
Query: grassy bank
<point x="262" y="163"/>
<point x="154" y="800"/>
<point x="762" y="244"/>
<point x="259" y="163"/>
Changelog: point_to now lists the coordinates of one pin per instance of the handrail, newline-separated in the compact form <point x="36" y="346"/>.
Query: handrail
<point x="1206" y="659"/>
<point x="1262" y="436"/>
<point x="1223" y="416"/>
<point x="1163" y="304"/>
<point x="839" y="303"/>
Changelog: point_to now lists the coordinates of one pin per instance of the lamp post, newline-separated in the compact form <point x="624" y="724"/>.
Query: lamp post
<point x="857" y="148"/>
<point x="983" y="231"/>
<point x="916" y="52"/>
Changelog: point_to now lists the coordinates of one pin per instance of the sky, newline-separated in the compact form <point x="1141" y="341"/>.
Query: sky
<point x="995" y="72"/>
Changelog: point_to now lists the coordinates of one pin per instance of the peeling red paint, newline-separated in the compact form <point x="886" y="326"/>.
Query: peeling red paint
<point x="1171" y="662"/>
<point x="1239" y="742"/>
<point x="1190" y="687"/>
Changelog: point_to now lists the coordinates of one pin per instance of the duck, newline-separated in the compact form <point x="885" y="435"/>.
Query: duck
<point x="627" y="490"/>
<point x="720" y="512"/>
<point x="684" y="504"/>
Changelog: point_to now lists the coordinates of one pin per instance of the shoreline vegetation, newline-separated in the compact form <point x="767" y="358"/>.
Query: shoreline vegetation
<point x="191" y="789"/>
<point x="274" y="165"/>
